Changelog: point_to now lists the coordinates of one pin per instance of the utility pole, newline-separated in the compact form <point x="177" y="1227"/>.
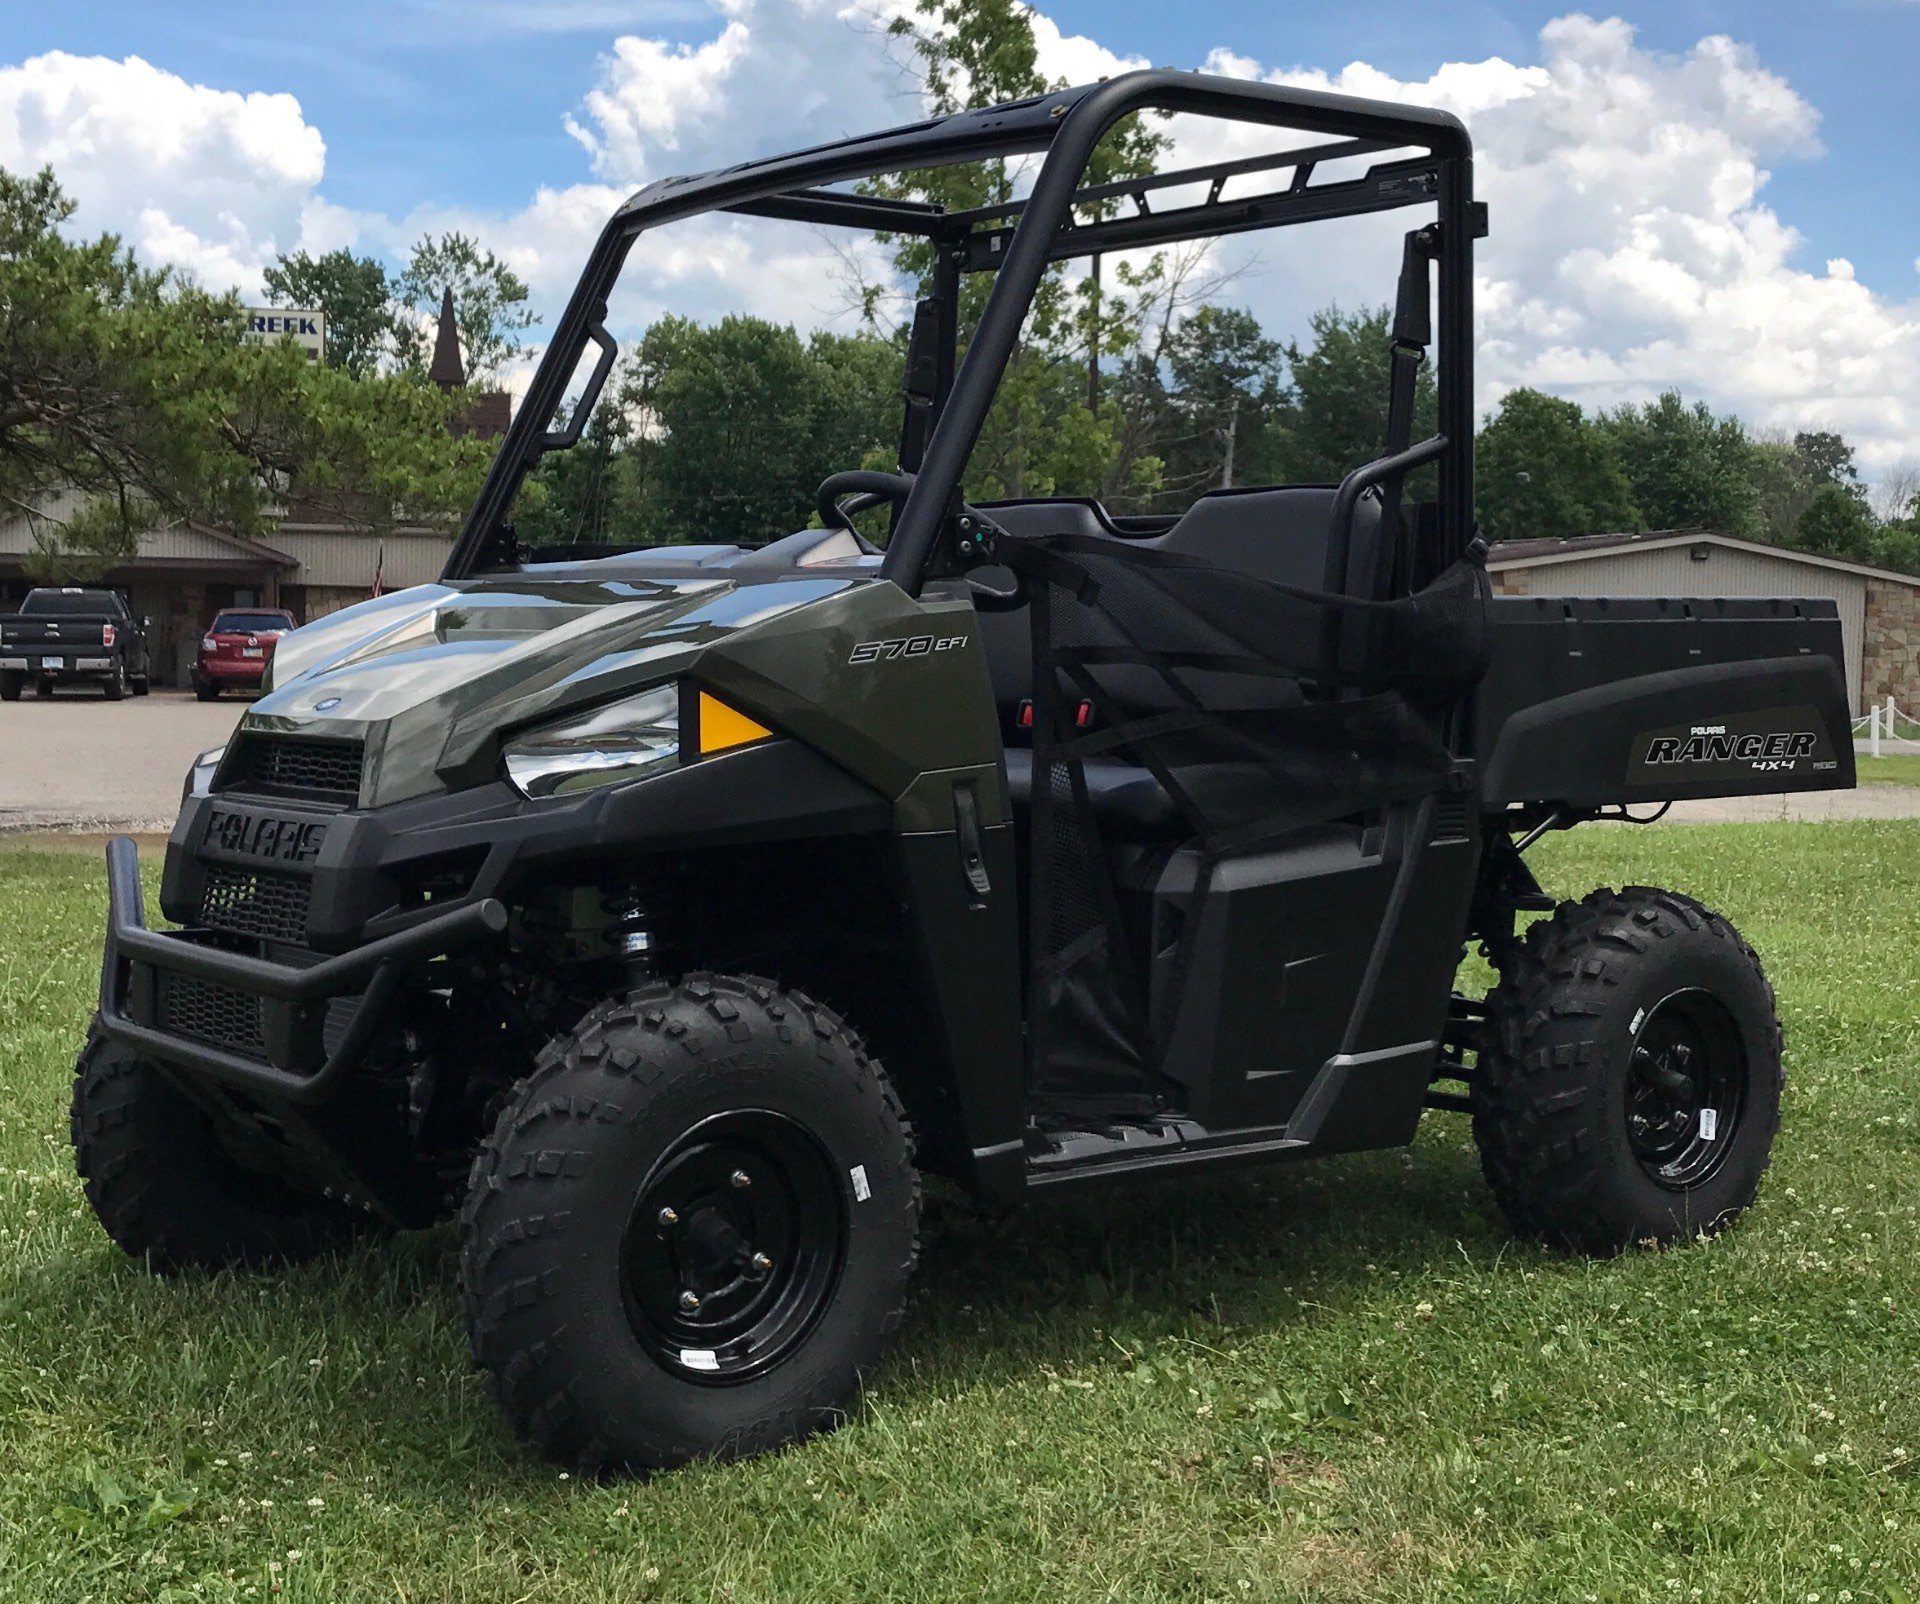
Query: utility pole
<point x="1233" y="432"/>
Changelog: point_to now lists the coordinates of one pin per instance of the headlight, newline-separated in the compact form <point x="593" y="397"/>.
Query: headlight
<point x="617" y="742"/>
<point x="200" y="777"/>
<point x="209" y="644"/>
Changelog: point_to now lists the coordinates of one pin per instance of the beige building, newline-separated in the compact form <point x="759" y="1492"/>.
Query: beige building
<point x="183" y="573"/>
<point x="1879" y="608"/>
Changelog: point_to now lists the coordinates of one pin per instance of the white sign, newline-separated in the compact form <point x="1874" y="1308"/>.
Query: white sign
<point x="307" y="329"/>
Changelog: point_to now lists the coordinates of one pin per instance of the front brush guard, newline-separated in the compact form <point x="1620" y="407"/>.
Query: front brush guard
<point x="290" y="995"/>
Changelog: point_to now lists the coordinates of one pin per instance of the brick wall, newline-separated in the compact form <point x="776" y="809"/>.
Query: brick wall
<point x="1890" y="652"/>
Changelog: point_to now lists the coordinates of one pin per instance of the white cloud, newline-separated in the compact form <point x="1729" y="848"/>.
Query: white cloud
<point x="214" y="182"/>
<point x="776" y="75"/>
<point x="1632" y="249"/>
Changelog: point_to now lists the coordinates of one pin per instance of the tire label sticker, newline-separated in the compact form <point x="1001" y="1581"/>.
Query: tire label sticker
<point x="861" y="1191"/>
<point x="1709" y="1124"/>
<point x="699" y="1359"/>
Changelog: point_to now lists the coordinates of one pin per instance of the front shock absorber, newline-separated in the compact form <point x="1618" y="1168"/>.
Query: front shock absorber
<point x="630" y="933"/>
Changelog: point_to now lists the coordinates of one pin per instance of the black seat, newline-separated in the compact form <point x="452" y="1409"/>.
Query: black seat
<point x="1279" y="535"/>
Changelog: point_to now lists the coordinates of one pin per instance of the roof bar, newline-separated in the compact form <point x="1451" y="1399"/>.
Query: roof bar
<point x="1215" y="173"/>
<point x="1393" y="184"/>
<point x="850" y="211"/>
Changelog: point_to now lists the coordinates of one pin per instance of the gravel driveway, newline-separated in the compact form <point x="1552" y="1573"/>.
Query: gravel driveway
<point x="75" y="761"/>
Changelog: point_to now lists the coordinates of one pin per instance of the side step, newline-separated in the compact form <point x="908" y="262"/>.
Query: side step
<point x="1168" y="1146"/>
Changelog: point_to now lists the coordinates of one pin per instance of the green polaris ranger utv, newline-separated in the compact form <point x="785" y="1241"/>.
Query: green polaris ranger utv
<point x="665" y="913"/>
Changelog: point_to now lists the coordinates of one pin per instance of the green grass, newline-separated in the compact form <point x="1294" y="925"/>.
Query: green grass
<point x="1341" y="1380"/>
<point x="1898" y="769"/>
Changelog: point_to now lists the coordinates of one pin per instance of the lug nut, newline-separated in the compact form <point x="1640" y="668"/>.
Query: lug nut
<point x="668" y="1217"/>
<point x="742" y="1180"/>
<point x="762" y="1263"/>
<point x="689" y="1301"/>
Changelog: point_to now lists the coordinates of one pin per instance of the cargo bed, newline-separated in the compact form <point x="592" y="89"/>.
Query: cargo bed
<point x="1596" y="701"/>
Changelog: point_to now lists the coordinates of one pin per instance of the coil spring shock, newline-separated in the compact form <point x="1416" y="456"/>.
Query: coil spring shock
<point x="630" y="933"/>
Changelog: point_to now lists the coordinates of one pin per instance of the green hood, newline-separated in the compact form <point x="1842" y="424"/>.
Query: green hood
<point x="431" y="677"/>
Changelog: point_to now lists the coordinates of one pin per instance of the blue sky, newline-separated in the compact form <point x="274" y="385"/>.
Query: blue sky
<point x="1718" y="197"/>
<point x="423" y="100"/>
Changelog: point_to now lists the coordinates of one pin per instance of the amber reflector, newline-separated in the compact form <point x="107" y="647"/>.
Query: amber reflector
<point x="723" y="727"/>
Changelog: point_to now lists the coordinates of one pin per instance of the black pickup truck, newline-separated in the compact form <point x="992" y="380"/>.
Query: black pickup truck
<point x="73" y="634"/>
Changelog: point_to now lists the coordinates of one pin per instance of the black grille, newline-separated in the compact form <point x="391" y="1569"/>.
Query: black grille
<point x="256" y="902"/>
<point x="215" y="1014"/>
<point x="316" y="768"/>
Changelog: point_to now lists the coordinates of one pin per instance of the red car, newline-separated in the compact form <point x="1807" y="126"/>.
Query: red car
<point x="237" y="648"/>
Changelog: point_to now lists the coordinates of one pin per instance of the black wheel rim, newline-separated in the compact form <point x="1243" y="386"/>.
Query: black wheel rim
<point x="734" y="1247"/>
<point x="1686" y="1089"/>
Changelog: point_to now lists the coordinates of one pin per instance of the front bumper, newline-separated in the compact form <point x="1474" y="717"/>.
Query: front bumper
<point x="144" y="970"/>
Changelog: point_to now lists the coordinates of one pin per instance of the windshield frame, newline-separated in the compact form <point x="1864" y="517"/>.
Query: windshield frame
<point x="1066" y="126"/>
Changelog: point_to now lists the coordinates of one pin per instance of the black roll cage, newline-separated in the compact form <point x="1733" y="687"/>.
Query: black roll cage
<point x="1019" y="239"/>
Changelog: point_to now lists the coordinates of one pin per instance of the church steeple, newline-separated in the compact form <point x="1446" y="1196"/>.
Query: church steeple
<point x="446" y="369"/>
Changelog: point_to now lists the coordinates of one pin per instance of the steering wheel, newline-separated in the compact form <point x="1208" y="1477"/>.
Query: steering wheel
<point x="841" y="495"/>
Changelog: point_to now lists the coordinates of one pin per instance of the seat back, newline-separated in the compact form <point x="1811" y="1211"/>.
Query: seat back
<point x="1280" y="535"/>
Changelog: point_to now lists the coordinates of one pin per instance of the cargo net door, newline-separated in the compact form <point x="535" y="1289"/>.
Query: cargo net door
<point x="1241" y="710"/>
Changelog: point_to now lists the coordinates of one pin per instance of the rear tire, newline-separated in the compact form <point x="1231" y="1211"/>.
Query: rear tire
<point x="142" y="684"/>
<point x="12" y="682"/>
<point x="43" y="688"/>
<point x="116" y="686"/>
<point x="611" y="1191"/>
<point x="205" y="692"/>
<point x="167" y="1190"/>
<point x="1629" y="1079"/>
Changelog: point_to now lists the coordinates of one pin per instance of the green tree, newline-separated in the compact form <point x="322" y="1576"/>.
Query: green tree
<point x="1335" y="420"/>
<point x="1837" y="522"/>
<point x="1790" y="473"/>
<point x="369" y="451"/>
<point x="1897" y="545"/>
<point x="590" y="493"/>
<point x="1688" y="469"/>
<point x="1826" y="456"/>
<point x="1205" y="402"/>
<point x="1043" y="435"/>
<point x="1545" y="470"/>
<point x="737" y="424"/>
<point x="114" y="382"/>
<point x="355" y="292"/>
<point x="489" y="304"/>
<point x="141" y="398"/>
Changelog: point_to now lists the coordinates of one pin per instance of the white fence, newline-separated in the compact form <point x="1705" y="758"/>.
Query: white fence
<point x="1884" y="729"/>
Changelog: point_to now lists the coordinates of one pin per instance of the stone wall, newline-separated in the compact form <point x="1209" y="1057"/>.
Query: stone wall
<point x="1890" y="651"/>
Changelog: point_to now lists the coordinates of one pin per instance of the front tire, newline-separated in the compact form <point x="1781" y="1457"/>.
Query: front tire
<point x="691" y="1231"/>
<point x="169" y="1191"/>
<point x="1629" y="1079"/>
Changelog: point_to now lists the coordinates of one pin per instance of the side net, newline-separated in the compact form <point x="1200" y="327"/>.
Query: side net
<point x="1258" y="708"/>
